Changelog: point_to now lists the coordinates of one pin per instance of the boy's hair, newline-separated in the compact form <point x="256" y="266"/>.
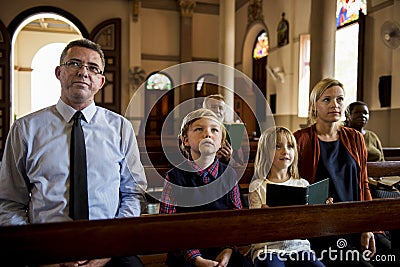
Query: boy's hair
<point x="267" y="141"/>
<point x="218" y="97"/>
<point x="190" y="119"/>
<point x="316" y="94"/>
<point x="83" y="43"/>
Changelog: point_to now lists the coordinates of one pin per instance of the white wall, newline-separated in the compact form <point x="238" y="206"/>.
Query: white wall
<point x="205" y="36"/>
<point x="160" y="32"/>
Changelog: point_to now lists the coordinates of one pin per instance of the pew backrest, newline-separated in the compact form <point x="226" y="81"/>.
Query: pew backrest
<point x="151" y="234"/>
<point x="391" y="153"/>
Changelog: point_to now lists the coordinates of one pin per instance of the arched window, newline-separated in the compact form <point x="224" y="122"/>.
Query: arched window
<point x="260" y="57"/>
<point x="203" y="83"/>
<point x="42" y="55"/>
<point x="261" y="47"/>
<point x="159" y="102"/>
<point x="158" y="81"/>
<point x="206" y="85"/>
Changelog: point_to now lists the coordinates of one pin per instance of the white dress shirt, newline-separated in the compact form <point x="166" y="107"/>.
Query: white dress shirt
<point x="34" y="174"/>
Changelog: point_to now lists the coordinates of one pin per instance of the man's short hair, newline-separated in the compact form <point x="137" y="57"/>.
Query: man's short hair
<point x="218" y="97"/>
<point x="87" y="44"/>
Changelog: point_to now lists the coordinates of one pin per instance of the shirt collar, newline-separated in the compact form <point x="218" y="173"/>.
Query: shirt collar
<point x="67" y="112"/>
<point x="212" y="170"/>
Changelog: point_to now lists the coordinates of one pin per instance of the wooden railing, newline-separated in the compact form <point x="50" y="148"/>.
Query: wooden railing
<point x="150" y="234"/>
<point x="386" y="168"/>
<point x="391" y="153"/>
<point x="59" y="242"/>
<point x="375" y="169"/>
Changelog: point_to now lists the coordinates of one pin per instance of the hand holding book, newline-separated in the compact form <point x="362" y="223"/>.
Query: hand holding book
<point x="284" y="195"/>
<point x="225" y="152"/>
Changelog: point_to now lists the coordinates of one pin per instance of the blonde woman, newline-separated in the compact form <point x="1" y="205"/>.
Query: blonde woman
<point x="328" y="149"/>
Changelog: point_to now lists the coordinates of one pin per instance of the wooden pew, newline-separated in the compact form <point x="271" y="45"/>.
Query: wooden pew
<point x="386" y="168"/>
<point x="155" y="174"/>
<point x="381" y="169"/>
<point x="153" y="235"/>
<point x="153" y="151"/>
<point x="155" y="178"/>
<point x="391" y="153"/>
<point x="375" y="169"/>
<point x="60" y="242"/>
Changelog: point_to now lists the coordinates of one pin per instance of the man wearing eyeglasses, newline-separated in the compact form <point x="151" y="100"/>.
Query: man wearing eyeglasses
<point x="226" y="153"/>
<point x="35" y="175"/>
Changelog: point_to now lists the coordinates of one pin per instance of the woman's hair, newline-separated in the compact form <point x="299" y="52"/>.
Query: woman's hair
<point x="267" y="142"/>
<point x="316" y="94"/>
<point x="350" y="108"/>
<point x="190" y="119"/>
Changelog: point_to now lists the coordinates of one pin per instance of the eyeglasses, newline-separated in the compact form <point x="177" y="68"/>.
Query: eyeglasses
<point x="217" y="107"/>
<point x="76" y="65"/>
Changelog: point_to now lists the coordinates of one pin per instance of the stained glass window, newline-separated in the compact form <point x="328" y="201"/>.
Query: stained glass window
<point x="159" y="81"/>
<point x="348" y="11"/>
<point x="262" y="46"/>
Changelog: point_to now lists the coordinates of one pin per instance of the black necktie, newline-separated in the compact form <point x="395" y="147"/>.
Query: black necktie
<point x="78" y="205"/>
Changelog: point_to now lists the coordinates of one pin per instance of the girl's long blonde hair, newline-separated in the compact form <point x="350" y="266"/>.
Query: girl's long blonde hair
<point x="268" y="140"/>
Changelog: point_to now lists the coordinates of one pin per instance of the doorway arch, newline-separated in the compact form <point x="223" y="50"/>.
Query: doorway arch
<point x="253" y="30"/>
<point x="42" y="82"/>
<point x="21" y="89"/>
<point x="21" y="17"/>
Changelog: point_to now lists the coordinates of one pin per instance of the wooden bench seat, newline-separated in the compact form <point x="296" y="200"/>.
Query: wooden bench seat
<point x="375" y="169"/>
<point x="155" y="234"/>
<point x="154" y="260"/>
<point x="153" y="173"/>
<point x="151" y="236"/>
<point x="381" y="169"/>
<point x="391" y="153"/>
<point x="157" y="152"/>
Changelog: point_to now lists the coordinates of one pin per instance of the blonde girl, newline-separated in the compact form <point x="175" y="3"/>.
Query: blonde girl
<point x="276" y="163"/>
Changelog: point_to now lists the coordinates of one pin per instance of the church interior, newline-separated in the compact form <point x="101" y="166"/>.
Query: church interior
<point x="143" y="38"/>
<point x="164" y="56"/>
